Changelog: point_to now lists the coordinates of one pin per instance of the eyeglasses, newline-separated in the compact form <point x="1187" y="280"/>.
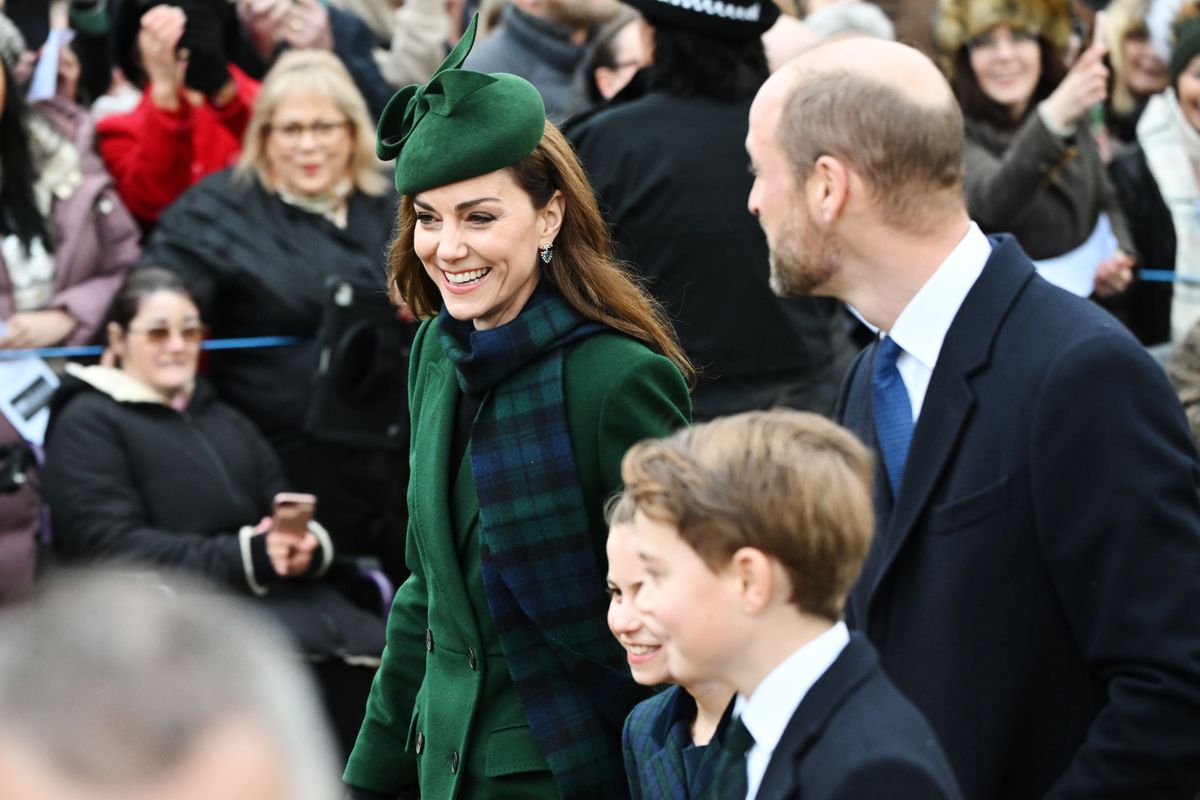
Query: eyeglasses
<point x="992" y="39"/>
<point x="324" y="132"/>
<point x="161" y="334"/>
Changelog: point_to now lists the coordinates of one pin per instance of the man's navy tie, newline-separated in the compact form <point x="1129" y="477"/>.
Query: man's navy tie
<point x="893" y="411"/>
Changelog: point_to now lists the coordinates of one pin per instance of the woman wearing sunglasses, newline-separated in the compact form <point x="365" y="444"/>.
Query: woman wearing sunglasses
<point x="145" y="466"/>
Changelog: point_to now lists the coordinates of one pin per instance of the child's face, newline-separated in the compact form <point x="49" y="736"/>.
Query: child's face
<point x="643" y="648"/>
<point x="693" y="609"/>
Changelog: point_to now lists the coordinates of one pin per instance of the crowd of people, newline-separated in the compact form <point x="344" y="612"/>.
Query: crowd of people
<point x="561" y="455"/>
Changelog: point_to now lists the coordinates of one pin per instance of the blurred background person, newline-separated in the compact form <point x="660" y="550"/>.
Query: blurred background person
<point x="195" y="103"/>
<point x="66" y="241"/>
<point x="1033" y="166"/>
<point x="669" y="168"/>
<point x="618" y="52"/>
<point x="257" y="244"/>
<point x="546" y="43"/>
<point x="1137" y="71"/>
<point x="113" y="689"/>
<point x="270" y="27"/>
<point x="145" y="466"/>
<point x="1158" y="185"/>
<point x="841" y="19"/>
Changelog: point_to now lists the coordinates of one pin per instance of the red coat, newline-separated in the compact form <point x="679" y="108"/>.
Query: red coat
<point x="155" y="155"/>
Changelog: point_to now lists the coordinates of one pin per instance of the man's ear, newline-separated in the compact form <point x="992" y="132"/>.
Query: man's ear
<point x="828" y="188"/>
<point x="751" y="570"/>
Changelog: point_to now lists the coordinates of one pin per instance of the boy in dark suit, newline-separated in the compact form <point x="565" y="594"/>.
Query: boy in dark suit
<point x="752" y="530"/>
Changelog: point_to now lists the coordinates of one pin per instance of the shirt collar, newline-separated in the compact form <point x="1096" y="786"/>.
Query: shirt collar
<point x="769" y="709"/>
<point x="922" y="325"/>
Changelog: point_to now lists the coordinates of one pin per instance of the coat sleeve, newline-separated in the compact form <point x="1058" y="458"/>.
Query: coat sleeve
<point x="149" y="154"/>
<point x="420" y="30"/>
<point x="178" y="244"/>
<point x="98" y="515"/>
<point x="629" y="751"/>
<point x="380" y="761"/>
<point x="1114" y="476"/>
<point x="999" y="188"/>
<point x="648" y="398"/>
<point x="116" y="250"/>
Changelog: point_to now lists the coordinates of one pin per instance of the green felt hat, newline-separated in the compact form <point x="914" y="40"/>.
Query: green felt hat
<point x="460" y="124"/>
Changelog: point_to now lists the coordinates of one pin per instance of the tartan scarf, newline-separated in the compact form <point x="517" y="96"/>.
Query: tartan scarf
<point x="540" y="573"/>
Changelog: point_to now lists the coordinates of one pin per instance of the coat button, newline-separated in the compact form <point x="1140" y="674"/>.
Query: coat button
<point x="420" y="742"/>
<point x="429" y="640"/>
<point x="454" y="762"/>
<point x="471" y="662"/>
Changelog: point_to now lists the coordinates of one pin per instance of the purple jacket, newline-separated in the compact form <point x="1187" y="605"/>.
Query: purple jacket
<point x="97" y="237"/>
<point x="97" y="241"/>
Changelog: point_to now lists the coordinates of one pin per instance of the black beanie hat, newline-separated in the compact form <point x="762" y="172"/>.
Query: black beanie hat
<point x="732" y="20"/>
<point x="1186" y="47"/>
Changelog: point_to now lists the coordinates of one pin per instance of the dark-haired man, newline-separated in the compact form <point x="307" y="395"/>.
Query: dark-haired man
<point x="1032" y="587"/>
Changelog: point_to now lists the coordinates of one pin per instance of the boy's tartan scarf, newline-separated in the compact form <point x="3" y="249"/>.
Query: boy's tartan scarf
<point x="543" y="585"/>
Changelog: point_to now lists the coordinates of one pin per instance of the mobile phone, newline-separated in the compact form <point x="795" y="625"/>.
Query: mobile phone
<point x="293" y="511"/>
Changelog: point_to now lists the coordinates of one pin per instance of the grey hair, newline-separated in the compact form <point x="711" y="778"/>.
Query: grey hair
<point x="864" y="19"/>
<point x="113" y="677"/>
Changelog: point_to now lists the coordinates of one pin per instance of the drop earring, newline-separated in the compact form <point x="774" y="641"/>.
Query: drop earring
<point x="547" y="252"/>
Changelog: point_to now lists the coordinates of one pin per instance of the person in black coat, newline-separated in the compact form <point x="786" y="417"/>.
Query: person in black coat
<point x="670" y="172"/>
<point x="751" y="530"/>
<point x="257" y="246"/>
<point x="1032" y="588"/>
<point x="145" y="466"/>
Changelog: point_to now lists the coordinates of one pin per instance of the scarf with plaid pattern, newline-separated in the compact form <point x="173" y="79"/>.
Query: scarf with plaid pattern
<point x="540" y="574"/>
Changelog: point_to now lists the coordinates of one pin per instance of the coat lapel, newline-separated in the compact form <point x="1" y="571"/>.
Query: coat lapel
<point x="430" y="499"/>
<point x="853" y="666"/>
<point x="664" y="770"/>
<point x="950" y="400"/>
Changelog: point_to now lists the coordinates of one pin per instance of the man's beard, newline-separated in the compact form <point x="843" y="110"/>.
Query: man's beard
<point x="803" y="259"/>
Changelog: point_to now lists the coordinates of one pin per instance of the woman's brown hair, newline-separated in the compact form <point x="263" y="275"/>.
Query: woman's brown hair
<point x="583" y="268"/>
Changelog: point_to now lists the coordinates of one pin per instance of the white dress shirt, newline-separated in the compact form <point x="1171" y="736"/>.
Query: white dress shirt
<point x="922" y="325"/>
<point x="770" y="708"/>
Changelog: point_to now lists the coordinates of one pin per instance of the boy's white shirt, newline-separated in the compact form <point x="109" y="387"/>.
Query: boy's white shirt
<point x="769" y="709"/>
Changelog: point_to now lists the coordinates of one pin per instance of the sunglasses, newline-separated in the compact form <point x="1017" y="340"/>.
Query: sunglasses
<point x="161" y="334"/>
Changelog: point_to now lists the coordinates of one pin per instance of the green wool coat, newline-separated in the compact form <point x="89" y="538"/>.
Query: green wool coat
<point x="443" y="712"/>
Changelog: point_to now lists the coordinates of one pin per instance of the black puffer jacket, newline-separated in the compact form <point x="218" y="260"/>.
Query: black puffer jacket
<point x="258" y="267"/>
<point x="130" y="479"/>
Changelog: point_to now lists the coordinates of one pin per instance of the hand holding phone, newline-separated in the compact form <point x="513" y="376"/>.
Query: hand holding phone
<point x="290" y="544"/>
<point x="293" y="511"/>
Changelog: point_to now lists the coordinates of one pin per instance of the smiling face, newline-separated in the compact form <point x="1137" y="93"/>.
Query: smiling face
<point x="309" y="145"/>
<point x="643" y="648"/>
<point x="1145" y="72"/>
<point x="478" y="241"/>
<point x="693" y="609"/>
<point x="161" y="345"/>
<point x="1007" y="63"/>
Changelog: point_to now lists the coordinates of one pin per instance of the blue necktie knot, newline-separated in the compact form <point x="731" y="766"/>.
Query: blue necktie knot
<point x="893" y="411"/>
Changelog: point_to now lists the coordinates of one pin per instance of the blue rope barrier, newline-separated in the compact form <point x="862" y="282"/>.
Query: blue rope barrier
<point x="1166" y="276"/>
<point x="91" y="351"/>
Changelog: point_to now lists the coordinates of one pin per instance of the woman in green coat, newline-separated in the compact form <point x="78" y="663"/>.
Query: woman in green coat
<point x="543" y="364"/>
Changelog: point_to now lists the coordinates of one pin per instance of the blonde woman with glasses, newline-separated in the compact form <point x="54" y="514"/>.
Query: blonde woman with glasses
<point x="256" y="245"/>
